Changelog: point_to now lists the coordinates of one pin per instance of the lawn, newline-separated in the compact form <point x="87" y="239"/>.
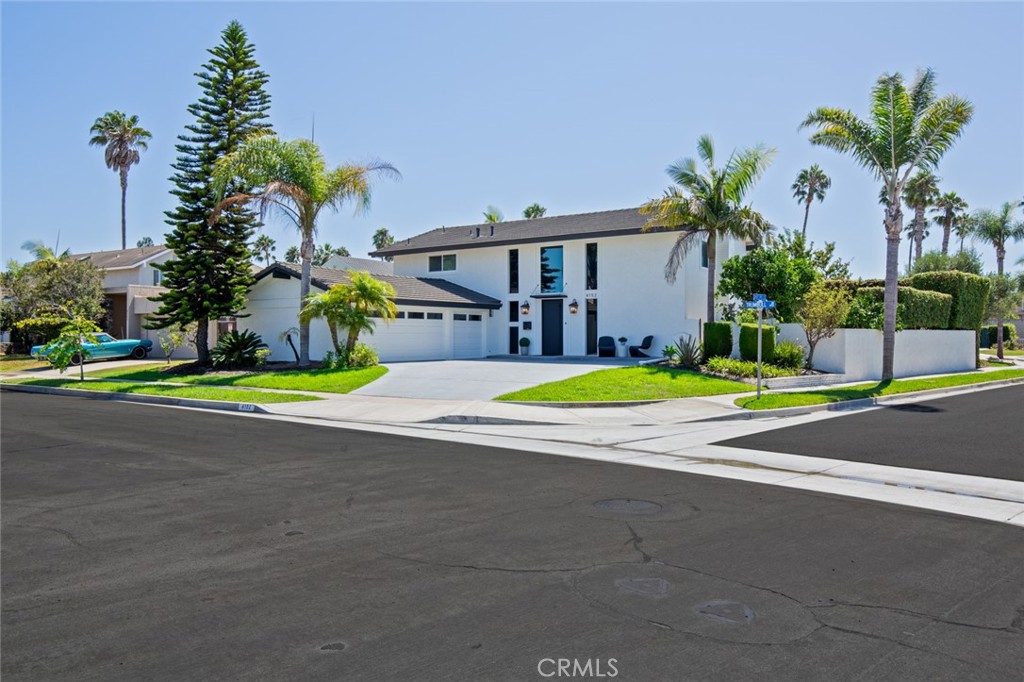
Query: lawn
<point x="1006" y="351"/>
<point x="197" y="392"/>
<point x="322" y="380"/>
<point x="17" y="363"/>
<point x="798" y="399"/>
<point x="628" y="383"/>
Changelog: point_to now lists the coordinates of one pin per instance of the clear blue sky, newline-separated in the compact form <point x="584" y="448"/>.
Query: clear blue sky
<point x="577" y="106"/>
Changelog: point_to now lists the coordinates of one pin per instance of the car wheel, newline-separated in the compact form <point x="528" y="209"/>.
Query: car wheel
<point x="139" y="353"/>
<point x="76" y="359"/>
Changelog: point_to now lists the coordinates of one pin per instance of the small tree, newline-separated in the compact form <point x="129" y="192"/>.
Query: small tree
<point x="264" y="247"/>
<point x="534" y="211"/>
<point x="821" y="312"/>
<point x="1003" y="299"/>
<point x="144" y="242"/>
<point x="493" y="215"/>
<point x="177" y="338"/>
<point x="286" y="336"/>
<point x="381" y="240"/>
<point x="69" y="348"/>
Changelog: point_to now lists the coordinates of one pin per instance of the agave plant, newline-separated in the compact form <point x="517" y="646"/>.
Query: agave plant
<point x="237" y="350"/>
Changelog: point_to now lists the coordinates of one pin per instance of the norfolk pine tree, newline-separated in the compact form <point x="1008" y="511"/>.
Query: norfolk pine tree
<point x="210" y="275"/>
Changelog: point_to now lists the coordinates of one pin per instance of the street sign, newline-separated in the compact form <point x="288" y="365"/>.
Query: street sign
<point x="760" y="297"/>
<point x="760" y="304"/>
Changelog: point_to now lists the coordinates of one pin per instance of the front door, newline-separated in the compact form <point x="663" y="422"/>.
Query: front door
<point x="591" y="326"/>
<point x="551" y="326"/>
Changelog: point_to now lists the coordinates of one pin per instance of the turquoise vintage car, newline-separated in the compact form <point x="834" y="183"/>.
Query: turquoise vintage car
<point x="106" y="348"/>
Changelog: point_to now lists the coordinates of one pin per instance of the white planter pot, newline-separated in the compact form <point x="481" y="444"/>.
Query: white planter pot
<point x="620" y="350"/>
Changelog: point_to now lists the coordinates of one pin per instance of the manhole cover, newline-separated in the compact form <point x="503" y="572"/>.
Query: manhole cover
<point x="645" y="587"/>
<point x="731" y="612"/>
<point x="333" y="646"/>
<point x="628" y="507"/>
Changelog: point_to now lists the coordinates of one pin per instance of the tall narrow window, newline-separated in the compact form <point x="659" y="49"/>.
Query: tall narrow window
<point x="703" y="254"/>
<point x="551" y="281"/>
<point x="513" y="311"/>
<point x="513" y="271"/>
<point x="591" y="267"/>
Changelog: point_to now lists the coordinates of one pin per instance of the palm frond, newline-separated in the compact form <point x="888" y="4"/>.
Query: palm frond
<point x="677" y="254"/>
<point x="706" y="150"/>
<point x="922" y="91"/>
<point x="842" y="131"/>
<point x="744" y="169"/>
<point x="938" y="130"/>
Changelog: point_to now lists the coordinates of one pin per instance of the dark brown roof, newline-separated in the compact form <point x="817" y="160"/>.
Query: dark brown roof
<point x="120" y="258"/>
<point x="563" y="227"/>
<point x="424" y="291"/>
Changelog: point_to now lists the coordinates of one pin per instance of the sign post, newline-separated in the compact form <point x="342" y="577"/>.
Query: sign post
<point x="760" y="303"/>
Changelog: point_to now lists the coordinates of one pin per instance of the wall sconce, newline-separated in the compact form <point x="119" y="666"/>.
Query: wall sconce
<point x="525" y="310"/>
<point x="574" y="307"/>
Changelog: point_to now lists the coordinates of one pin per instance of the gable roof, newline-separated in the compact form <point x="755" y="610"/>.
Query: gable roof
<point x="564" y="227"/>
<point x="121" y="259"/>
<point x="370" y="265"/>
<point x="422" y="291"/>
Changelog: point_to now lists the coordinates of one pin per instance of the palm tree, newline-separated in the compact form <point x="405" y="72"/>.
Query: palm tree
<point x="999" y="230"/>
<point x="963" y="227"/>
<point x="264" y="246"/>
<point x="534" y="211"/>
<point x="493" y="215"/>
<point x="920" y="193"/>
<point x="709" y="206"/>
<point x="810" y="184"/>
<point x="354" y="306"/>
<point x="293" y="179"/>
<point x="908" y="129"/>
<point x="122" y="138"/>
<point x="45" y="254"/>
<point x="949" y="208"/>
<point x="330" y="305"/>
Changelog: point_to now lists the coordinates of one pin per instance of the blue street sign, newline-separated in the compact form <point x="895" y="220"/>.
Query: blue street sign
<point x="760" y="297"/>
<point x="759" y="303"/>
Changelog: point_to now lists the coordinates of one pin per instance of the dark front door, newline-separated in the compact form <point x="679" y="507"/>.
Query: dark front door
<point x="591" y="326"/>
<point x="551" y="326"/>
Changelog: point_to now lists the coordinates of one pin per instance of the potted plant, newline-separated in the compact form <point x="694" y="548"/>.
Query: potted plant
<point x="622" y="346"/>
<point x="524" y="346"/>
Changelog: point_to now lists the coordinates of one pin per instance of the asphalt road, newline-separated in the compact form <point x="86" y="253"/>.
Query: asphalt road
<point x="978" y="434"/>
<point x="146" y="543"/>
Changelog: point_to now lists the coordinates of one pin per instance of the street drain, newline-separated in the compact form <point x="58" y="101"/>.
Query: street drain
<point x="333" y="646"/>
<point x="628" y="507"/>
<point x="731" y="612"/>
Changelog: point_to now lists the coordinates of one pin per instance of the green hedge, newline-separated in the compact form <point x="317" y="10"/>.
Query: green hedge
<point x="916" y="310"/>
<point x="717" y="339"/>
<point x="748" y="342"/>
<point x="969" y="292"/>
<point x="989" y="333"/>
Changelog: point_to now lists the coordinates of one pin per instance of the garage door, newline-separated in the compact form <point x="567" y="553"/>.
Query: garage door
<point x="415" y="335"/>
<point x="468" y="335"/>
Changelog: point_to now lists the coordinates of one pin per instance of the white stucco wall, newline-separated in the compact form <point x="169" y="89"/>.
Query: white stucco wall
<point x="142" y="275"/>
<point x="633" y="298"/>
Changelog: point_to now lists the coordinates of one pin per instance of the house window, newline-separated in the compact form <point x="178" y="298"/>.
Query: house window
<point x="513" y="271"/>
<point x="703" y="254"/>
<point x="400" y="315"/>
<point x="158" y="277"/>
<point x="459" y="317"/>
<point x="443" y="263"/>
<point x="435" y="316"/>
<point x="476" y="318"/>
<point x="591" y="267"/>
<point x="513" y="311"/>
<point x="415" y="316"/>
<point x="551" y="281"/>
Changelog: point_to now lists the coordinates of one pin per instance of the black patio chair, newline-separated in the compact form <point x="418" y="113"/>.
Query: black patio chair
<point x="606" y="347"/>
<point x="641" y="351"/>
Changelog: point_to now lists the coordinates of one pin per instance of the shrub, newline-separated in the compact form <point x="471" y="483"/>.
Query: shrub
<point x="748" y="342"/>
<point x="236" y="350"/>
<point x="330" y="360"/>
<point x="789" y="355"/>
<point x="717" y="339"/>
<point x="969" y="292"/>
<point x="746" y="369"/>
<point x="688" y="352"/>
<point x="916" y="309"/>
<point x="363" y="356"/>
<point x="989" y="333"/>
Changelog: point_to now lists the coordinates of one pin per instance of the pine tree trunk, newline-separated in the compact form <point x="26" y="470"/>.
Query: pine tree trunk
<point x="307" y="264"/>
<point x="894" y="233"/>
<point x="203" y="341"/>
<point x="124" y="193"/>
<point x="711" y="277"/>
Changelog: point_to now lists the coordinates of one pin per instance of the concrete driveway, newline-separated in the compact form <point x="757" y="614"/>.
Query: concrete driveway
<point x="479" y="379"/>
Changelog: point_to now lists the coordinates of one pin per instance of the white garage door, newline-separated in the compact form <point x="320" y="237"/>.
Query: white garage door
<point x="416" y="335"/>
<point x="468" y="335"/>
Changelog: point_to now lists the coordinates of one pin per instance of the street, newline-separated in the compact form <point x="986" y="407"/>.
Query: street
<point x="149" y="543"/>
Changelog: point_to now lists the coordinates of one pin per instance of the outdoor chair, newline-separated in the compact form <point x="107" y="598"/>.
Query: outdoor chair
<point x="606" y="347"/>
<point x="641" y="351"/>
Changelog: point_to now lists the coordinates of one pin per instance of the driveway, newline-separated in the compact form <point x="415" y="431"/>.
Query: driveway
<point x="478" y="379"/>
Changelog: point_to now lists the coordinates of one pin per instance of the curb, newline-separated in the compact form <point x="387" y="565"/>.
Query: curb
<point x="592" y="403"/>
<point x="139" y="398"/>
<point x="860" y="403"/>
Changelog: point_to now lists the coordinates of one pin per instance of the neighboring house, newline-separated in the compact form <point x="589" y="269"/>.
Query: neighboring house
<point x="436" y="318"/>
<point x="565" y="281"/>
<point x="374" y="267"/>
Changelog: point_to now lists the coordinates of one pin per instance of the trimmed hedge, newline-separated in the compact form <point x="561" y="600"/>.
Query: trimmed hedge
<point x="990" y="331"/>
<point x="717" y="339"/>
<point x="748" y="342"/>
<point x="969" y="292"/>
<point x="916" y="309"/>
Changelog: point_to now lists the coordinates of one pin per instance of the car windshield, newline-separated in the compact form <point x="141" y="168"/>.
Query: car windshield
<point x="105" y="338"/>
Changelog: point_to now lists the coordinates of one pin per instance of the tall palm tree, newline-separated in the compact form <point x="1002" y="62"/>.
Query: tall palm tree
<point x="534" y="211"/>
<point x="493" y="215"/>
<point x="1000" y="230"/>
<point x="920" y="194"/>
<point x="963" y="227"/>
<point x="294" y="180"/>
<point x="264" y="246"/>
<point x="122" y="139"/>
<point x="949" y="208"/>
<point x="909" y="128"/>
<point x="811" y="184"/>
<point x="708" y="206"/>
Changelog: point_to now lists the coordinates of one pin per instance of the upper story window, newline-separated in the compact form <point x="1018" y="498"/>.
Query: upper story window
<point x="551" y="273"/>
<point x="158" y="277"/>
<point x="703" y="254"/>
<point x="513" y="271"/>
<point x="442" y="263"/>
<point x="591" y="267"/>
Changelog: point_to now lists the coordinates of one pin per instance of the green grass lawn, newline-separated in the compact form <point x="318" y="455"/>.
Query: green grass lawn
<point x="322" y="380"/>
<point x="198" y="392"/>
<point x="832" y="395"/>
<point x="628" y="383"/>
<point x="17" y="363"/>
<point x="1006" y="352"/>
